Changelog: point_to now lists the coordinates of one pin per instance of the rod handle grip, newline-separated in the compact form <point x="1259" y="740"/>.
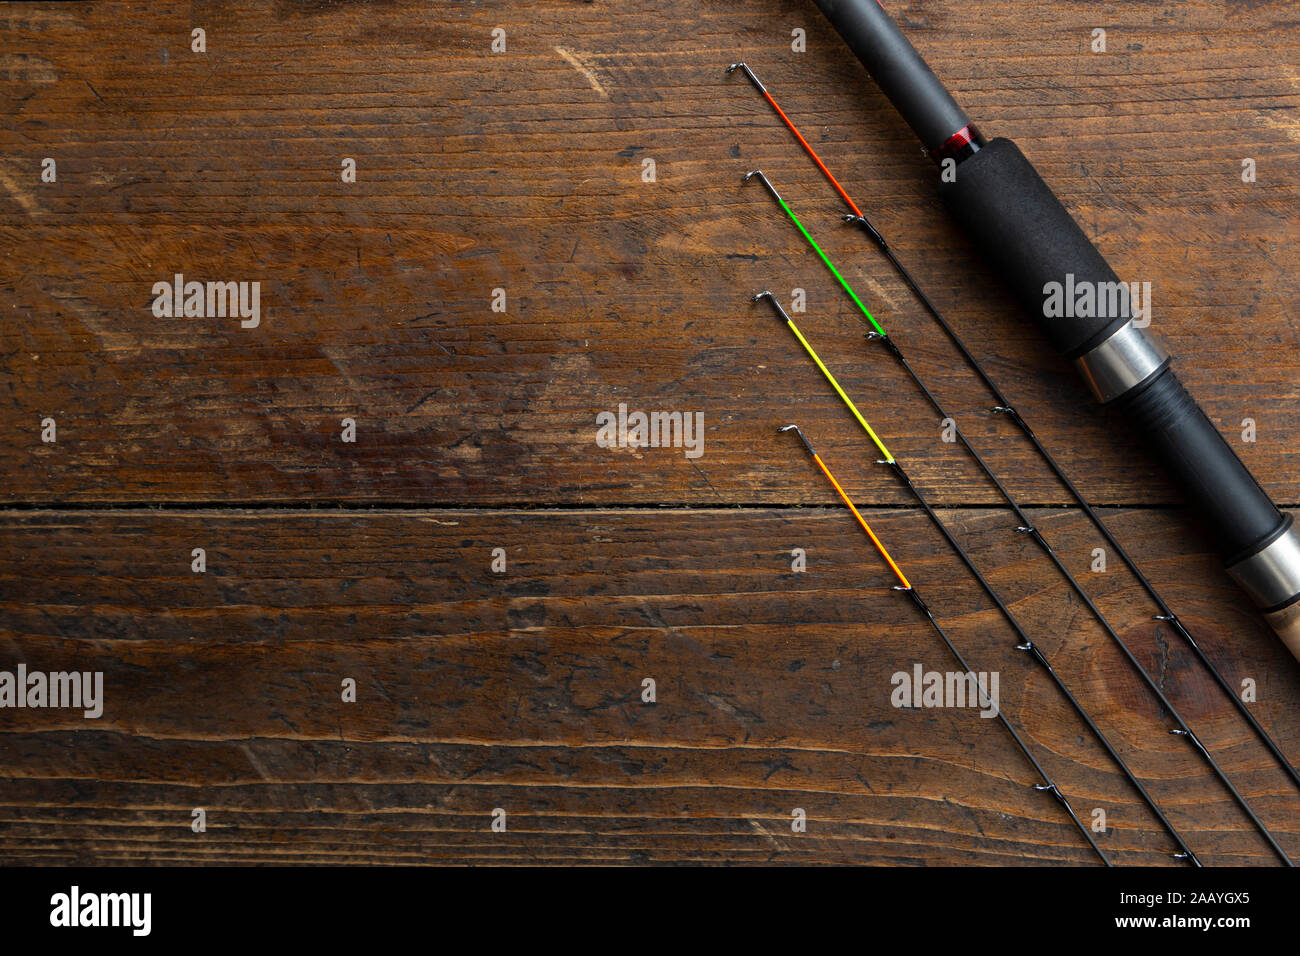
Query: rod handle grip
<point x="1033" y="242"/>
<point x="1078" y="302"/>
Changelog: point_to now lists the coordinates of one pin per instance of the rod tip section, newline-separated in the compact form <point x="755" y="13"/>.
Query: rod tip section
<point x="865" y="224"/>
<point x="767" y="183"/>
<point x="767" y="295"/>
<point x="802" y="437"/>
<point x="742" y="65"/>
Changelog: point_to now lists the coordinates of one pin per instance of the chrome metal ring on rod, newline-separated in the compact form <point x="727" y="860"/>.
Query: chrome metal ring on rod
<point x="1122" y="362"/>
<point x="1271" y="576"/>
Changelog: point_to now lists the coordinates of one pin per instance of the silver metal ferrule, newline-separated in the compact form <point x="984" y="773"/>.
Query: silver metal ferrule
<point x="1271" y="576"/>
<point x="1128" y="357"/>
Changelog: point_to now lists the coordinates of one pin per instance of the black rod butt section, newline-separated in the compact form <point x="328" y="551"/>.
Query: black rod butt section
<point x="898" y="70"/>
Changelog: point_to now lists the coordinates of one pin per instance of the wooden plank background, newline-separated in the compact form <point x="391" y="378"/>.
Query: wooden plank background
<point x="475" y="430"/>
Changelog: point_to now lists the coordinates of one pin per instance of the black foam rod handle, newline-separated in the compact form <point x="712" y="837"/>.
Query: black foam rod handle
<point x="1030" y="238"/>
<point x="1004" y="206"/>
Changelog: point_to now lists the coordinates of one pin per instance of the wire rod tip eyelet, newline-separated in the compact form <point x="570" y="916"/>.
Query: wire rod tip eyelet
<point x="742" y="65"/>
<point x="767" y="183"/>
<point x="803" y="438"/>
<point x="770" y="297"/>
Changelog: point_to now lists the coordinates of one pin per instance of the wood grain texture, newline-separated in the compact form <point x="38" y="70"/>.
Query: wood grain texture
<point x="523" y="171"/>
<point x="522" y="691"/>
<point x="511" y="171"/>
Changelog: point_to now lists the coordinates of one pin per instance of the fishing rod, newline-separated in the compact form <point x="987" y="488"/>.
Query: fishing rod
<point x="1003" y="407"/>
<point x="1027" y="526"/>
<point x="1007" y="210"/>
<point x="1025" y="644"/>
<point x="905" y="586"/>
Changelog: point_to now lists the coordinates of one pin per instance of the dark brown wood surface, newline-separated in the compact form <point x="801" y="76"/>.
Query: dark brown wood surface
<point x="476" y="430"/>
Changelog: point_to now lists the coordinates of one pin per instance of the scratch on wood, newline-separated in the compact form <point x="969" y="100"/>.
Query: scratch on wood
<point x="256" y="764"/>
<point x="582" y="68"/>
<point x="13" y="189"/>
<point x="765" y="833"/>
